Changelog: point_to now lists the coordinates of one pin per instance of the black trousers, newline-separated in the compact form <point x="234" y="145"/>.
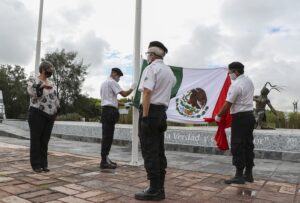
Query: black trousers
<point x="40" y="131"/>
<point x="242" y="139"/>
<point x="109" y="118"/>
<point x="152" y="142"/>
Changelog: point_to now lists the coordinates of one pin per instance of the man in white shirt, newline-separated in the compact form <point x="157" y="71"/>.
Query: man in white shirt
<point x="156" y="84"/>
<point x="110" y="114"/>
<point x="240" y="101"/>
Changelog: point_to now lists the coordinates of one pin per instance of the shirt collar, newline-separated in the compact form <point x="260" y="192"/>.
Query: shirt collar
<point x="157" y="61"/>
<point x="240" y="77"/>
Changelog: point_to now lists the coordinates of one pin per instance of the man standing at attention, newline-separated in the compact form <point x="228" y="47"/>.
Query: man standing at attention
<point x="240" y="101"/>
<point x="110" y="113"/>
<point x="156" y="84"/>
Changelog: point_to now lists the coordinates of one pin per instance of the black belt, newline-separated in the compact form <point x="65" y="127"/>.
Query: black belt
<point x="245" y="113"/>
<point x="109" y="107"/>
<point x="155" y="107"/>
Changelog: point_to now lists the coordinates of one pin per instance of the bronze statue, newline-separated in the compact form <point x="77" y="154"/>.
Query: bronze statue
<point x="261" y="102"/>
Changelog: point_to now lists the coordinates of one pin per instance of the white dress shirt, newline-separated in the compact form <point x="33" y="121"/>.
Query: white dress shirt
<point x="240" y="94"/>
<point x="109" y="93"/>
<point x="160" y="79"/>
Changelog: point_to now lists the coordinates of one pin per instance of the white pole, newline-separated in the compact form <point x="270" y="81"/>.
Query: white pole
<point x="38" y="42"/>
<point x="137" y="65"/>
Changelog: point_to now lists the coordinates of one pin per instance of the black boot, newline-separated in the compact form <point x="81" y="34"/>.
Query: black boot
<point x="162" y="184"/>
<point x="153" y="192"/>
<point x="238" y="178"/>
<point x="45" y="169"/>
<point x="110" y="161"/>
<point x="248" y="176"/>
<point x="37" y="170"/>
<point x="106" y="165"/>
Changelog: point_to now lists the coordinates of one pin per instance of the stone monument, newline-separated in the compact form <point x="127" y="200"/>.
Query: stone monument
<point x="295" y="104"/>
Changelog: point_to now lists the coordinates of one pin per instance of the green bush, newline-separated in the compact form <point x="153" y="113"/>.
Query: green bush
<point x="69" y="117"/>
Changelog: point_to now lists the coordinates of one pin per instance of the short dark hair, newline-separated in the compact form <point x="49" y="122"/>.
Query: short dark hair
<point x="45" y="65"/>
<point x="238" y="66"/>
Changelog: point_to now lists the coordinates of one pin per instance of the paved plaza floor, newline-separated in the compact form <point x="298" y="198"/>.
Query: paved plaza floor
<point x="78" y="179"/>
<point x="75" y="176"/>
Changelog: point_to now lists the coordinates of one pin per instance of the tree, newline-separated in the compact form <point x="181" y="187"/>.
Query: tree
<point x="87" y="107"/>
<point x="294" y="120"/>
<point x="68" y="77"/>
<point x="13" y="83"/>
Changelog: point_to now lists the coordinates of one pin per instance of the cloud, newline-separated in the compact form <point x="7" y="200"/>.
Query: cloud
<point x="80" y="12"/>
<point x="17" y="34"/>
<point x="204" y="43"/>
<point x="260" y="34"/>
<point x="90" y="47"/>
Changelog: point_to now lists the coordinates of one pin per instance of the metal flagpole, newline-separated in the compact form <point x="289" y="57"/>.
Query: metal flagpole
<point x="38" y="42"/>
<point x="137" y="65"/>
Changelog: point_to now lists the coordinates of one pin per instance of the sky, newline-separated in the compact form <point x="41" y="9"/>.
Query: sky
<point x="263" y="35"/>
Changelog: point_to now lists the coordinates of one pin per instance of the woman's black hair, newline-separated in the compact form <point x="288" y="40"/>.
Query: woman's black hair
<point x="45" y="65"/>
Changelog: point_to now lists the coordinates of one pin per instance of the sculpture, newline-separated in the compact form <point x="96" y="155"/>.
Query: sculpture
<point x="295" y="104"/>
<point x="261" y="102"/>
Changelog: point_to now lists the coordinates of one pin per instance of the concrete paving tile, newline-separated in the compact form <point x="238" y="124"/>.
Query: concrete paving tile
<point x="275" y="197"/>
<point x="288" y="190"/>
<point x="33" y="194"/>
<point x="5" y="179"/>
<point x="104" y="197"/>
<point x="14" y="199"/>
<point x="65" y="190"/>
<point x="88" y="194"/>
<point x="3" y="194"/>
<point x="235" y="193"/>
<point x="77" y="187"/>
<point x="71" y="199"/>
<point x="48" y="197"/>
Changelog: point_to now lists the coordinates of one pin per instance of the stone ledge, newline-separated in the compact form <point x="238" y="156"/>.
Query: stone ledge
<point x="277" y="144"/>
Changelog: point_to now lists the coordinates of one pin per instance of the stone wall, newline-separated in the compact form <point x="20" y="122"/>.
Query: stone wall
<point x="281" y="144"/>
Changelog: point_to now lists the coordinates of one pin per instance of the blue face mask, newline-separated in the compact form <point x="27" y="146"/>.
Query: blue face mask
<point x="117" y="79"/>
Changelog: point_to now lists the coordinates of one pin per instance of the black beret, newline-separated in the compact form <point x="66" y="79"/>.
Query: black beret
<point x="158" y="44"/>
<point x="236" y="65"/>
<point x="117" y="70"/>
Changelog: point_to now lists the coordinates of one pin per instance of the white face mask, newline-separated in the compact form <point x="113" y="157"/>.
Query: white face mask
<point x="149" y="60"/>
<point x="232" y="76"/>
<point x="117" y="79"/>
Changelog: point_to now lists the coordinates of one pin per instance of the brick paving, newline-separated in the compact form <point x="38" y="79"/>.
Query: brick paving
<point x="77" y="179"/>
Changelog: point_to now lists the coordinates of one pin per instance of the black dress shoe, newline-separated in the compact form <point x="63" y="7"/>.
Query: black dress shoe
<point x="37" y="170"/>
<point x="45" y="169"/>
<point x="235" y="180"/>
<point x="150" y="194"/>
<point x="107" y="166"/>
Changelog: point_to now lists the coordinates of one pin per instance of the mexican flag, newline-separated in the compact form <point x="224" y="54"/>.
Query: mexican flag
<point x="197" y="96"/>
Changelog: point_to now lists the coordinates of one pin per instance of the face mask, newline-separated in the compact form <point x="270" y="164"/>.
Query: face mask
<point x="117" y="79"/>
<point x="149" y="61"/>
<point x="48" y="74"/>
<point x="232" y="76"/>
